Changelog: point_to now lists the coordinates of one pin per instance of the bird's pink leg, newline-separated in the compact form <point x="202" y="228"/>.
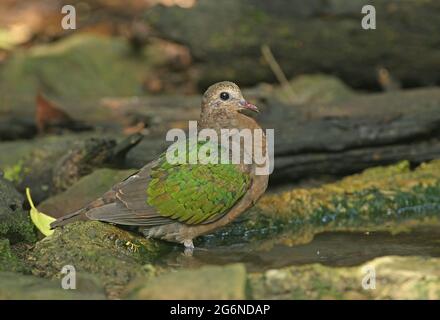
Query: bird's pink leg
<point x="189" y="247"/>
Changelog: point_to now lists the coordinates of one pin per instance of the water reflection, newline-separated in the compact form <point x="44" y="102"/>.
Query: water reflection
<point x="332" y="249"/>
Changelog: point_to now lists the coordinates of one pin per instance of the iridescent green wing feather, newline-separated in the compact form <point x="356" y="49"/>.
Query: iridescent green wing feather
<point x="195" y="193"/>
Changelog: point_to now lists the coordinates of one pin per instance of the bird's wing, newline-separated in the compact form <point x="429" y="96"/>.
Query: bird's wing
<point x="161" y="193"/>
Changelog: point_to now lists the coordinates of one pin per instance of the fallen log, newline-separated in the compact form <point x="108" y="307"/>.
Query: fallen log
<point x="311" y="141"/>
<point x="327" y="139"/>
<point x="306" y="37"/>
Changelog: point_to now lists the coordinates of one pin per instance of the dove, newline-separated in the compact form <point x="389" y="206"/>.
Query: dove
<point x="178" y="202"/>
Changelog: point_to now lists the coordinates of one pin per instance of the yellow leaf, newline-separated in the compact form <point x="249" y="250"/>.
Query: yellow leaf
<point x="42" y="221"/>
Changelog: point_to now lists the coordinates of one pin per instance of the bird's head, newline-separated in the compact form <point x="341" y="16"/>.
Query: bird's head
<point x="225" y="96"/>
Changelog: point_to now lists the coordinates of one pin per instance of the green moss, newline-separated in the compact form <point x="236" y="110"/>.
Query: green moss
<point x="18" y="227"/>
<point x="8" y="260"/>
<point x="15" y="223"/>
<point x="13" y="172"/>
<point x="96" y="248"/>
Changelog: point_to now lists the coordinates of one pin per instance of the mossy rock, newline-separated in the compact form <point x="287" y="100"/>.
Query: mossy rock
<point x="112" y="254"/>
<point x="24" y="161"/>
<point x="51" y="164"/>
<point x="24" y="287"/>
<point x="15" y="223"/>
<point x="34" y="162"/>
<point x="393" y="198"/>
<point x="8" y="260"/>
<point x="382" y="278"/>
<point x="82" y="66"/>
<point x="208" y="282"/>
<point x="12" y="154"/>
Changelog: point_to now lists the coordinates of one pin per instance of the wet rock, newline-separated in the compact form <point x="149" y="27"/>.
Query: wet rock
<point x="393" y="199"/>
<point x="23" y="287"/>
<point x="15" y="223"/>
<point x="113" y="255"/>
<point x="209" y="282"/>
<point x="382" y="278"/>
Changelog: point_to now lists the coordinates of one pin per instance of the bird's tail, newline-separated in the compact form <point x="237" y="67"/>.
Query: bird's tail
<point x="80" y="215"/>
<point x="72" y="217"/>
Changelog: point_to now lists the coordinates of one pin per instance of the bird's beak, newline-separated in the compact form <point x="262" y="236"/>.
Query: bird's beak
<point x="249" y="106"/>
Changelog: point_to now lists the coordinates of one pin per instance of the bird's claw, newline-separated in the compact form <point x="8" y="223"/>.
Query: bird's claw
<point x="189" y="248"/>
<point x="132" y="247"/>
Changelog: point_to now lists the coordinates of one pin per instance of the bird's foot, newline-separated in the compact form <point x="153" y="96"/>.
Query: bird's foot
<point x="189" y="248"/>
<point x="132" y="247"/>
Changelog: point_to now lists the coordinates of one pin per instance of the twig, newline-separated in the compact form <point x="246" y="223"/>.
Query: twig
<point x="276" y="69"/>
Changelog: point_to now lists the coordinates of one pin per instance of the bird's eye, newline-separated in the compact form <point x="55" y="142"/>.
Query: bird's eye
<point x="224" y="96"/>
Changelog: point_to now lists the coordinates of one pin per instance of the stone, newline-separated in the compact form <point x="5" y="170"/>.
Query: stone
<point x="25" y="287"/>
<point x="91" y="67"/>
<point x="389" y="277"/>
<point x="208" y="282"/>
<point x="115" y="256"/>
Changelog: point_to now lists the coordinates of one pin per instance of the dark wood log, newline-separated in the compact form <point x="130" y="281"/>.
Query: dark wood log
<point x="311" y="141"/>
<point x="324" y="139"/>
<point x="226" y="37"/>
<point x="12" y="128"/>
